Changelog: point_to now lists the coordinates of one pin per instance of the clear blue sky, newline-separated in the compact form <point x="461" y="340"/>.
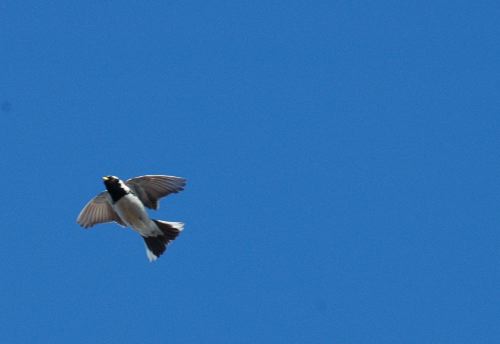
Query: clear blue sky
<point x="342" y="160"/>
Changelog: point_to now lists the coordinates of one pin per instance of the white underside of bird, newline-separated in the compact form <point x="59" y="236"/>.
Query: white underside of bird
<point x="131" y="211"/>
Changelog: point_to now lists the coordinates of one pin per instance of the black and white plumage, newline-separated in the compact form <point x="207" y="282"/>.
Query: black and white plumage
<point x="125" y="202"/>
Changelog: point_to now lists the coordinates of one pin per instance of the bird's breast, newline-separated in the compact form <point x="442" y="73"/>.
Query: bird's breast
<point x="132" y="211"/>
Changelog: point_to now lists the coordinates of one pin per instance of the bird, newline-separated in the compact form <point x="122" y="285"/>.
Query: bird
<point x="125" y="203"/>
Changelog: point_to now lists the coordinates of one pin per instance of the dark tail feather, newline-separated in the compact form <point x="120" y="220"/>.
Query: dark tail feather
<point x="158" y="244"/>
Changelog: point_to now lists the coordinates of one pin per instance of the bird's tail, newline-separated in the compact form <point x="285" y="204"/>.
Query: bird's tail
<point x="156" y="245"/>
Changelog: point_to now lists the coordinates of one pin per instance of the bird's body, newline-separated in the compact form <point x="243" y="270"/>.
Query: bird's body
<point x="133" y="213"/>
<point x="126" y="202"/>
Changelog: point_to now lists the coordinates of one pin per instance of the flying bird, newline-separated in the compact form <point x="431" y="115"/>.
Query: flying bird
<point x="125" y="203"/>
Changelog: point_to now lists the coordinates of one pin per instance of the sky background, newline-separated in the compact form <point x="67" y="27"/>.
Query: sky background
<point x="342" y="160"/>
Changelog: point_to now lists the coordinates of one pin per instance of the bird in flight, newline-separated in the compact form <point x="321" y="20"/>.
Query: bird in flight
<point x="125" y="203"/>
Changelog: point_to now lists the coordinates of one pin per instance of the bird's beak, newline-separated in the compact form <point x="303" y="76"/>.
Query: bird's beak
<point x="105" y="179"/>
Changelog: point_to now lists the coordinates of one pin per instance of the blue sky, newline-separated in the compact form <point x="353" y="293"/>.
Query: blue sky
<point x="342" y="160"/>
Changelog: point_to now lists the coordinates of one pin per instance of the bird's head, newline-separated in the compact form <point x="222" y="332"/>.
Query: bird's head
<point x="110" y="181"/>
<point x="116" y="187"/>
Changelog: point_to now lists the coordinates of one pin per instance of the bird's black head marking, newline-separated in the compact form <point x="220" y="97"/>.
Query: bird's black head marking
<point x="116" y="188"/>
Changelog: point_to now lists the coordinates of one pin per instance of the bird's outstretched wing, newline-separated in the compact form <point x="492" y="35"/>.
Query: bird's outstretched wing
<point x="151" y="188"/>
<point x="97" y="211"/>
